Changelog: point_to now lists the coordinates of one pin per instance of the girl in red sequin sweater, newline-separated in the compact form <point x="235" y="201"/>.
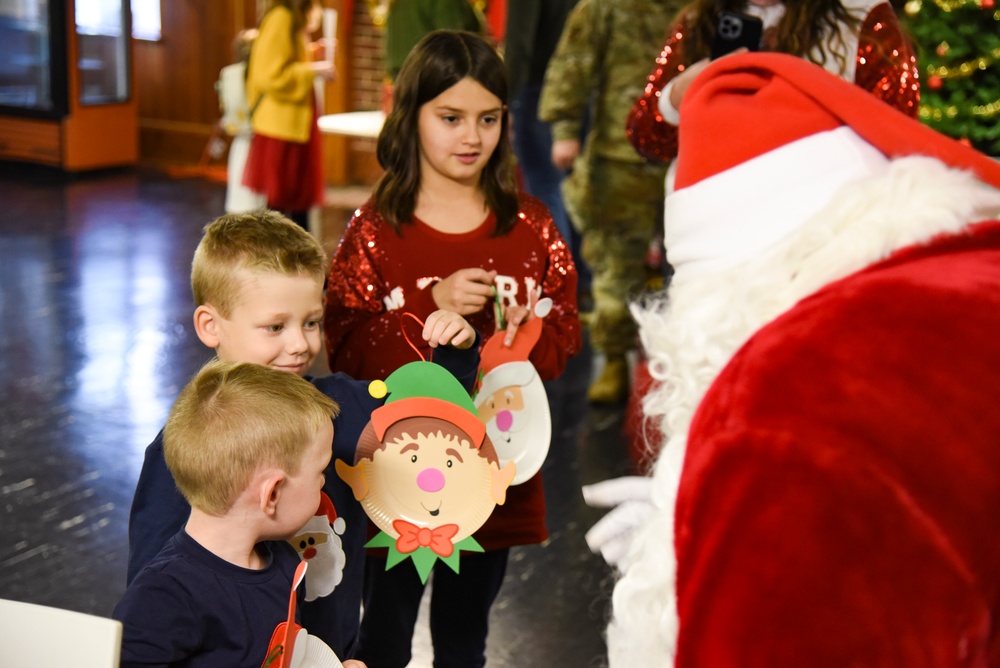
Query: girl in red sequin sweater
<point x="859" y="40"/>
<point x="446" y="228"/>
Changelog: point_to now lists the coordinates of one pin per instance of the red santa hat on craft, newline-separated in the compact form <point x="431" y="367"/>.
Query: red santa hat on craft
<point x="502" y="365"/>
<point x="326" y="511"/>
<point x="766" y="141"/>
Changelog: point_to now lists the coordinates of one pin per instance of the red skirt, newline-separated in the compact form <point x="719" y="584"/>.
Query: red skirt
<point x="288" y="173"/>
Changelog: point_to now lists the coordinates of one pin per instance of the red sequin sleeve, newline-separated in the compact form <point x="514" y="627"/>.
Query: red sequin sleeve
<point x="561" y="332"/>
<point x="886" y="64"/>
<point x="653" y="138"/>
<point x="355" y="290"/>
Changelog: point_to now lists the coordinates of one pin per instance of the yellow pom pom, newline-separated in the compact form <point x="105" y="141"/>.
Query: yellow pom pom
<point x="377" y="389"/>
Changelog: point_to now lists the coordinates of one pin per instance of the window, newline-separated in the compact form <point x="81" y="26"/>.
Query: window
<point x="103" y="51"/>
<point x="146" y="19"/>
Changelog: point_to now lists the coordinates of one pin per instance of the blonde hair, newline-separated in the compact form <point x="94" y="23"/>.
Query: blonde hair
<point x="258" y="241"/>
<point x="231" y="420"/>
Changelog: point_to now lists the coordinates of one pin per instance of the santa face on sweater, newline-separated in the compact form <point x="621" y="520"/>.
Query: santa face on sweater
<point x="319" y="544"/>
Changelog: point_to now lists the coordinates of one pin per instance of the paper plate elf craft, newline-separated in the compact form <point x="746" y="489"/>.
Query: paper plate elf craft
<point x="425" y="471"/>
<point x="511" y="398"/>
<point x="318" y="543"/>
<point x="291" y="645"/>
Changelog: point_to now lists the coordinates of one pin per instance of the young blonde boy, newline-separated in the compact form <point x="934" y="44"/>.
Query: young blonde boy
<point x="257" y="280"/>
<point x="248" y="447"/>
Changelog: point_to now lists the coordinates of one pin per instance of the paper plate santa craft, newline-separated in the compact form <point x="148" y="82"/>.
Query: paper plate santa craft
<point x="425" y="471"/>
<point x="291" y="645"/>
<point x="318" y="543"/>
<point x="511" y="398"/>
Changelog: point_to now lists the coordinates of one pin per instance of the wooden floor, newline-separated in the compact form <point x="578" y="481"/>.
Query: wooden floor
<point x="95" y="343"/>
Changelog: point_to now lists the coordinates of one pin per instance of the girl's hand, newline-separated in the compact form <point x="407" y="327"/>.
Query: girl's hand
<point x="324" y="69"/>
<point x="447" y="328"/>
<point x="465" y="292"/>
<point x="514" y="315"/>
<point x="564" y="152"/>
<point x="683" y="81"/>
<point x="354" y="663"/>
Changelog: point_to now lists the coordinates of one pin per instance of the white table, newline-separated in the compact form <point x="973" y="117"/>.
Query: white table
<point x="352" y="123"/>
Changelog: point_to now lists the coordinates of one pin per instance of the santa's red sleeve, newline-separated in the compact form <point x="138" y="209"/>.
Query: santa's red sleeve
<point x="840" y="497"/>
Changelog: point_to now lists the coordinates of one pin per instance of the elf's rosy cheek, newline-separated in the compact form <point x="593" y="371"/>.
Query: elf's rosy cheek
<point x="430" y="480"/>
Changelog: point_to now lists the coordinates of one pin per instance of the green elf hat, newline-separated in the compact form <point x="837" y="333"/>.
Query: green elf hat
<point x="425" y="389"/>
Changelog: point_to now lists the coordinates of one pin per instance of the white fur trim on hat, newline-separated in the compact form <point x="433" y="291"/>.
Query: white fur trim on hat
<point x="506" y="375"/>
<point x="736" y="214"/>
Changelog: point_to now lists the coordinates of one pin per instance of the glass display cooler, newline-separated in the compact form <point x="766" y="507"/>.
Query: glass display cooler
<point x="67" y="93"/>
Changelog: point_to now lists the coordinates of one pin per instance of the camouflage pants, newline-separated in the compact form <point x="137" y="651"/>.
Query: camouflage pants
<point x="618" y="207"/>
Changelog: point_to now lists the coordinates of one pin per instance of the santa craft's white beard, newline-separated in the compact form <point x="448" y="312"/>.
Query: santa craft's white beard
<point x="326" y="569"/>
<point x="691" y="335"/>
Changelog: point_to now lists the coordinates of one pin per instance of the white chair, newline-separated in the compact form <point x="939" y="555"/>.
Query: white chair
<point x="38" y="635"/>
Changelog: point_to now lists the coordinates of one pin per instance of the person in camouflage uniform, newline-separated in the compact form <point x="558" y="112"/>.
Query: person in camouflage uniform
<point x="409" y="20"/>
<point x="612" y="195"/>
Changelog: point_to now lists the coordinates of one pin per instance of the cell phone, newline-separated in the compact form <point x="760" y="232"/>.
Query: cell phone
<point x="735" y="30"/>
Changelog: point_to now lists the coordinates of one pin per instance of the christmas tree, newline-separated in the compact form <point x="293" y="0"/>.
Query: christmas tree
<point x="958" y="53"/>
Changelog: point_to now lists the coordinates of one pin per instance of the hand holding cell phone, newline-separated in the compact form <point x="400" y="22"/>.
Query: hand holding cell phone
<point x="736" y="30"/>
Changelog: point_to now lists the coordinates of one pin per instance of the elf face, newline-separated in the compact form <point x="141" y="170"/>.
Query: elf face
<point x="428" y="473"/>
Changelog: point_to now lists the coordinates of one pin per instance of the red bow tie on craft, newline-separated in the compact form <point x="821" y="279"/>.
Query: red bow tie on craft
<point x="411" y="537"/>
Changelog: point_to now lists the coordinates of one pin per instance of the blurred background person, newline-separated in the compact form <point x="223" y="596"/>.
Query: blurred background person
<point x="235" y="121"/>
<point x="613" y="196"/>
<point x="858" y="40"/>
<point x="285" y="159"/>
<point x="533" y="30"/>
<point x="407" y="21"/>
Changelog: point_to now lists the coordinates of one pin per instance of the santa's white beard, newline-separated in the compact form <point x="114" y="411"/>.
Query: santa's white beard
<point x="326" y="569"/>
<point x="690" y="335"/>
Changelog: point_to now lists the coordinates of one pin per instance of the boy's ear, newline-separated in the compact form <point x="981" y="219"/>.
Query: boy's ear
<point x="270" y="487"/>
<point x="206" y="325"/>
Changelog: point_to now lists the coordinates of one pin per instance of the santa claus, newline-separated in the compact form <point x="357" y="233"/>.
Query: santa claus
<point x="828" y="377"/>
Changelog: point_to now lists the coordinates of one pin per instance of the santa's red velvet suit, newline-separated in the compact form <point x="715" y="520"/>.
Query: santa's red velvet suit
<point x="828" y="362"/>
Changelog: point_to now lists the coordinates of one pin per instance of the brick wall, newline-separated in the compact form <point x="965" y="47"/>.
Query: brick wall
<point x="366" y="61"/>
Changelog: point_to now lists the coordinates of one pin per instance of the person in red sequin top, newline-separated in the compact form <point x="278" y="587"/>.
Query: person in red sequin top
<point x="446" y="228"/>
<point x="858" y="40"/>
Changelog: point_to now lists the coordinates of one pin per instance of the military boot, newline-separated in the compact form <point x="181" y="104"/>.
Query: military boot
<point x="612" y="385"/>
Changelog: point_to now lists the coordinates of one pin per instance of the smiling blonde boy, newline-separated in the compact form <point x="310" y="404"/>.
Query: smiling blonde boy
<point x="257" y="280"/>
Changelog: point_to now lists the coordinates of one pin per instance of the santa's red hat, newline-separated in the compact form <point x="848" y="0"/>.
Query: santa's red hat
<point x="516" y="369"/>
<point x="328" y="511"/>
<point x="766" y="141"/>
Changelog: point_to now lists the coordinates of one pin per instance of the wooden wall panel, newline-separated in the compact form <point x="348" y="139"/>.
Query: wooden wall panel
<point x="178" y="105"/>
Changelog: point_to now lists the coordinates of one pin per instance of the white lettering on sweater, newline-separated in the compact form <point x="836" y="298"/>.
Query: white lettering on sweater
<point x="507" y="291"/>
<point x="394" y="299"/>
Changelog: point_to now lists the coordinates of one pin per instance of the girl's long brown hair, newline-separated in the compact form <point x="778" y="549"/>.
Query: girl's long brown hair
<point x="438" y="62"/>
<point x="804" y="30"/>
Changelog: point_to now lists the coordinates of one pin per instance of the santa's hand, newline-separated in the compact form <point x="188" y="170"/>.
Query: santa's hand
<point x="630" y="499"/>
